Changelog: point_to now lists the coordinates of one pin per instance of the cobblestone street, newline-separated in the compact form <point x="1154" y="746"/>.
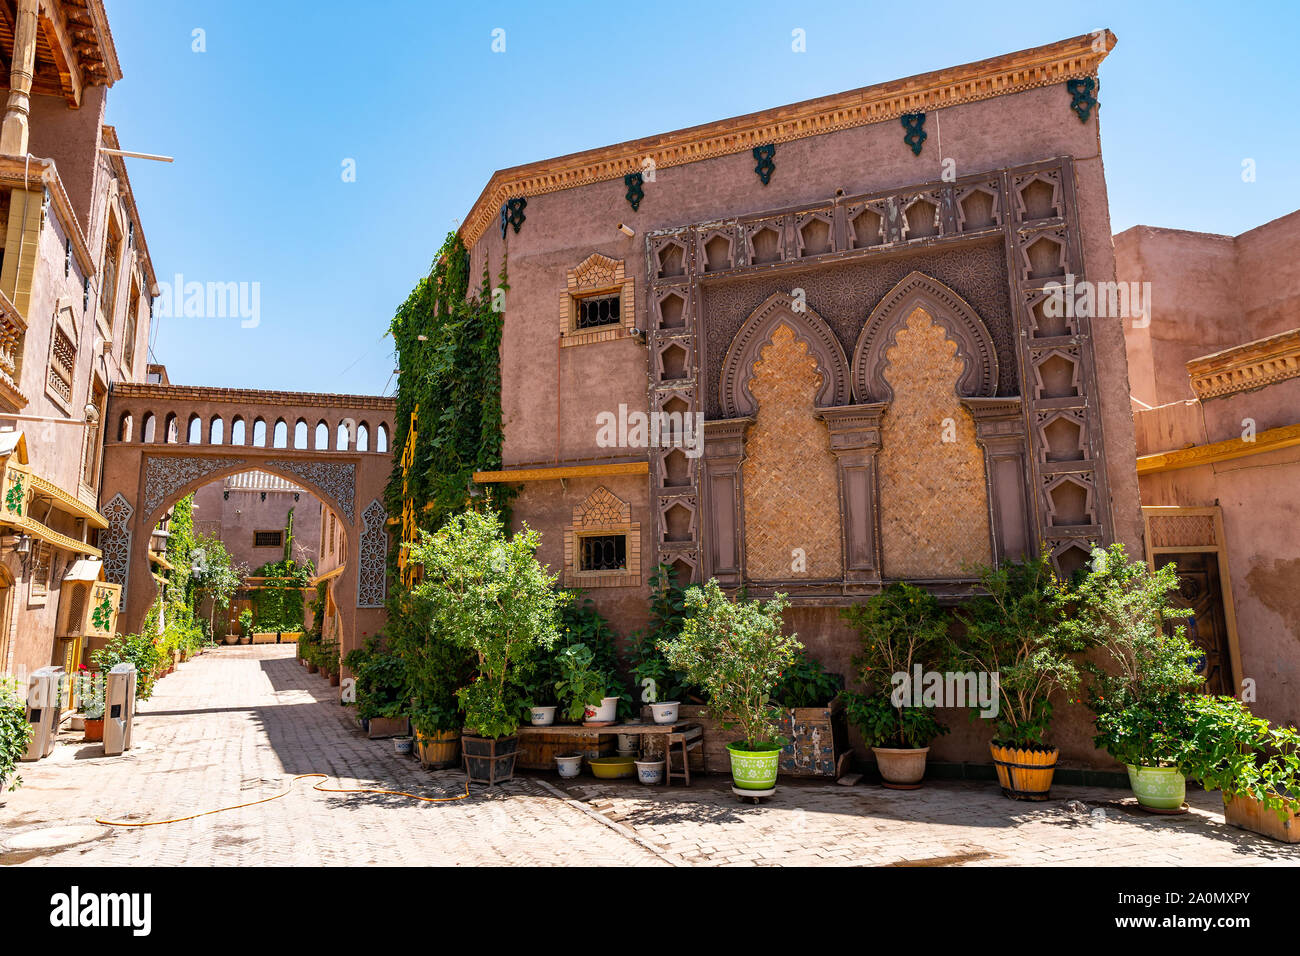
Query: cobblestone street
<point x="235" y="724"/>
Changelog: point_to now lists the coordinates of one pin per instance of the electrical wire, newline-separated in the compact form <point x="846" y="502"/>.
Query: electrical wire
<point x="285" y="793"/>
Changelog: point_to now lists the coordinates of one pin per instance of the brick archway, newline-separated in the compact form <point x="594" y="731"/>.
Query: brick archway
<point x="347" y="471"/>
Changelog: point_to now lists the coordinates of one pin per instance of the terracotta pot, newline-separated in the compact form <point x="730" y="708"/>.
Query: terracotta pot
<point x="94" y="728"/>
<point x="1025" y="773"/>
<point x="312" y="668"/>
<point x="901" y="768"/>
<point x="334" y="678"/>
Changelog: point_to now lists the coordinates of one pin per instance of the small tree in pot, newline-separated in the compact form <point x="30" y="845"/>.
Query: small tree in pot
<point x="1139" y="693"/>
<point x="1014" y="635"/>
<point x="736" y="652"/>
<point x="902" y="627"/>
<point x="487" y="593"/>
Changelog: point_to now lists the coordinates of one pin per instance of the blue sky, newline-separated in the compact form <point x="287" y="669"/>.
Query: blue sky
<point x="262" y="122"/>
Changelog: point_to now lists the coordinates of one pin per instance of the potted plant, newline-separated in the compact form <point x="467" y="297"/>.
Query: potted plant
<point x="15" y="733"/>
<point x="1138" y="691"/>
<point x="900" y="628"/>
<point x="246" y="627"/>
<point x="1014" y="633"/>
<point x="437" y="728"/>
<point x="487" y="593"/>
<point x="381" y="687"/>
<point x="581" y="688"/>
<point x="1255" y="765"/>
<point x="736" y="652"/>
<point x="92" y="706"/>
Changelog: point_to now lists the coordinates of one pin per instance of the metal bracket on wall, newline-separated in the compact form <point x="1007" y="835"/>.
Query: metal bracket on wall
<point x="1083" y="96"/>
<point x="512" y="214"/>
<point x="633" y="182"/>
<point x="763" y="154"/>
<point x="915" y="135"/>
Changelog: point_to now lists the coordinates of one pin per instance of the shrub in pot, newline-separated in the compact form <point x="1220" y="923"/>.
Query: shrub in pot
<point x="900" y="628"/>
<point x="15" y="733"/>
<point x="1014" y="632"/>
<point x="1255" y="765"/>
<point x="246" y="627"/>
<point x="581" y="688"/>
<point x="1139" y="691"/>
<point x="487" y="593"/>
<point x="654" y="680"/>
<point x="91" y="694"/>
<point x="736" y="652"/>
<point x="381" y="686"/>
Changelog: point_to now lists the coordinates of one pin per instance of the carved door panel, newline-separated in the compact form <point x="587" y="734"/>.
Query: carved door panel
<point x="1199" y="591"/>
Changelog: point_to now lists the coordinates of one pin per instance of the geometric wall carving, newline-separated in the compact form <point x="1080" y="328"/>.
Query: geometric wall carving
<point x="373" y="555"/>
<point x="115" y="543"/>
<point x="336" y="478"/>
<point x="164" y="476"/>
<point x="781" y="311"/>
<point x="975" y="349"/>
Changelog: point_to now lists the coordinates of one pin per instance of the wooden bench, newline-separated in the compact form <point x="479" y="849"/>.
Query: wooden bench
<point x="685" y="734"/>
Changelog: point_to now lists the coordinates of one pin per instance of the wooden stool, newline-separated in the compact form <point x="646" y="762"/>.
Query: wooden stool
<point x="689" y="739"/>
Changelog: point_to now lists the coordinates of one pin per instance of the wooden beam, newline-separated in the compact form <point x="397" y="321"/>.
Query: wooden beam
<point x="62" y="45"/>
<point x="1273" y="439"/>
<point x="556" y="472"/>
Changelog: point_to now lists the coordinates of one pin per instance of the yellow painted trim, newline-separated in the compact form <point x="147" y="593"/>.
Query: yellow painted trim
<point x="61" y="541"/>
<point x="556" y="472"/>
<point x="67" y="502"/>
<point x="328" y="575"/>
<point x="1273" y="439"/>
<point x="160" y="561"/>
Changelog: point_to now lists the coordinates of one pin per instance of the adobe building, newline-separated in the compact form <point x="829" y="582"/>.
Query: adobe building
<point x="850" y="292"/>
<point x="75" y="281"/>
<point x="1216" y="408"/>
<point x="248" y="511"/>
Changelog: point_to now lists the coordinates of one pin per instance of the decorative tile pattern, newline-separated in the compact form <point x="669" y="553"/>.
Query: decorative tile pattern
<point x="934" y="509"/>
<point x="371" y="574"/>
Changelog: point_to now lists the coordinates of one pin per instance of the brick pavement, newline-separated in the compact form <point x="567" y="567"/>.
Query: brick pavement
<point x="235" y="724"/>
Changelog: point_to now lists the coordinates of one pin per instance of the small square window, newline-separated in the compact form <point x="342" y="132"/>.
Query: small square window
<point x="598" y="311"/>
<point x="606" y="552"/>
<point x="268" y="539"/>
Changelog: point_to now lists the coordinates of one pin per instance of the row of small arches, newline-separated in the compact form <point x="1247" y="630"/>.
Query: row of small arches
<point x="347" y="435"/>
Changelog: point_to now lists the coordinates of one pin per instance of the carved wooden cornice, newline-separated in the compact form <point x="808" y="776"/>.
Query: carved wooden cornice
<point x="971" y="82"/>
<point x="1273" y="439"/>
<point x="1245" y="367"/>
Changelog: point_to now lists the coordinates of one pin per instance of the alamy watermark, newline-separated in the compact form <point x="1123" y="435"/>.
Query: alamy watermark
<point x="1084" y="299"/>
<point x="624" y="429"/>
<point x="924" y="688"/>
<point x="210" y="300"/>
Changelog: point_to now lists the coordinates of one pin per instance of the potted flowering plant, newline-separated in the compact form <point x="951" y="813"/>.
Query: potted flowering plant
<point x="581" y="687"/>
<point x="487" y="593"/>
<point x="736" y="652"/>
<point x="91" y="695"/>
<point x="900" y="628"/>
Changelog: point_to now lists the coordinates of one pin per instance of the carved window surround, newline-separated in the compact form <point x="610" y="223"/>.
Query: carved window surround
<point x="602" y="513"/>
<point x="595" y="276"/>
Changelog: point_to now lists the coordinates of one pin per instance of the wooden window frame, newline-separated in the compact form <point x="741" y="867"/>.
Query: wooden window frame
<point x="595" y="277"/>
<point x="278" y="532"/>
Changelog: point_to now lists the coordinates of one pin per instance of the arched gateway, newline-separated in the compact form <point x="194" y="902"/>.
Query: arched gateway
<point x="336" y="446"/>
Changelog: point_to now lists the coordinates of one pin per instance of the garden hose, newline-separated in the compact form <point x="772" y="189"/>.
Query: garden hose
<point x="285" y="793"/>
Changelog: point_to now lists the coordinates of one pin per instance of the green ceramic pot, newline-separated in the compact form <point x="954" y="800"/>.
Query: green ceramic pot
<point x="753" y="769"/>
<point x="1160" y="788"/>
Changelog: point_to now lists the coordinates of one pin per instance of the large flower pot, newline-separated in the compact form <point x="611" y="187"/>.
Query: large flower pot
<point x="1025" y="773"/>
<point x="753" y="769"/>
<point x="438" y="750"/>
<point x="601" y="715"/>
<point x="901" y="768"/>
<point x="311" y="668"/>
<point x="489" y="760"/>
<point x="1158" y="788"/>
<point x="94" y="728"/>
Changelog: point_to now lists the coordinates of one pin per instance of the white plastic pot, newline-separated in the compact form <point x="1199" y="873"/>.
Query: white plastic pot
<point x="606" y="713"/>
<point x="629" y="743"/>
<point x="665" y="713"/>
<point x="569" y="765"/>
<point x="650" y="772"/>
<point x="402" y="745"/>
<point x="542" y="716"/>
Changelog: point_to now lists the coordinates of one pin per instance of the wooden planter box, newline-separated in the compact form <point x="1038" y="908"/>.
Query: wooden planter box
<point x="290" y="637"/>
<point x="264" y="637"/>
<point x="389" y="727"/>
<point x="1249" y="814"/>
